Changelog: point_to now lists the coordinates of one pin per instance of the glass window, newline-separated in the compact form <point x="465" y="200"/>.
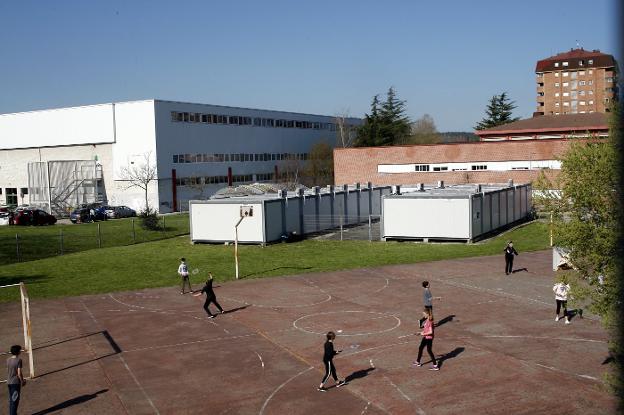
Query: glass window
<point x="479" y="167"/>
<point x="556" y="64"/>
<point x="556" y="74"/>
<point x="174" y="116"/>
<point x="590" y="62"/>
<point x="175" y="158"/>
<point x="556" y="94"/>
<point x="185" y="116"/>
<point x="565" y="63"/>
<point x="556" y="84"/>
<point x="11" y="195"/>
<point x="566" y="74"/>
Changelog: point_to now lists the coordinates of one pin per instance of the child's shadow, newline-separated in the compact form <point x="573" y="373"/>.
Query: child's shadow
<point x="358" y="374"/>
<point x="519" y="270"/>
<point x="450" y="355"/>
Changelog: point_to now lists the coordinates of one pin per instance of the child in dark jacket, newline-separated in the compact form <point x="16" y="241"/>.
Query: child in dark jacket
<point x="328" y="357"/>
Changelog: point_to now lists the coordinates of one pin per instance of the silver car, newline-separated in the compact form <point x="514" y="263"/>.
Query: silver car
<point x="115" y="212"/>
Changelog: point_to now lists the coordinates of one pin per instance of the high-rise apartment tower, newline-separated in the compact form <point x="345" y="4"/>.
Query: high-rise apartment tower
<point x="576" y="82"/>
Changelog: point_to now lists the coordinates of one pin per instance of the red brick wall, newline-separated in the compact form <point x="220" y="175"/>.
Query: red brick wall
<point x="352" y="165"/>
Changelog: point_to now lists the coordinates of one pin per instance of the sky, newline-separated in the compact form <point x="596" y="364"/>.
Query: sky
<point x="444" y="58"/>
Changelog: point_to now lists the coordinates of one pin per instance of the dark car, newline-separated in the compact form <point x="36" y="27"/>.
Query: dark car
<point x="80" y="215"/>
<point x="26" y="217"/>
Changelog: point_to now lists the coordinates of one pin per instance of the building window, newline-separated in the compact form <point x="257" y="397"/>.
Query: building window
<point x="566" y="104"/>
<point x="591" y="102"/>
<point x="556" y="113"/>
<point x="581" y="93"/>
<point x="590" y="92"/>
<point x="565" y="94"/>
<point x="590" y="82"/>
<point x="591" y="71"/>
<point x="609" y="79"/>
<point x="565" y="64"/>
<point x="557" y="84"/>
<point x="556" y="74"/>
<point x="565" y="84"/>
<point x="478" y="167"/>
<point x="175" y="158"/>
<point x="581" y="83"/>
<point x="556" y="64"/>
<point x="581" y="73"/>
<point x="556" y="94"/>
<point x="421" y="167"/>
<point x="556" y="104"/>
<point x="519" y="168"/>
<point x="440" y="168"/>
<point x="11" y="195"/>
<point x="590" y="62"/>
<point x="581" y="63"/>
<point x="566" y="74"/>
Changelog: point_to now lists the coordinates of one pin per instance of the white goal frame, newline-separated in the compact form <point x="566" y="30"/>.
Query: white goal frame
<point x="25" y="301"/>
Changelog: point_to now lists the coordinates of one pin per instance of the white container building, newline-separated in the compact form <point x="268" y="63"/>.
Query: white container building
<point x="453" y="213"/>
<point x="275" y="215"/>
<point x="195" y="149"/>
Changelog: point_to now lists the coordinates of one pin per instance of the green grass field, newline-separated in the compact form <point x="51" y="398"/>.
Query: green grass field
<point x="154" y="264"/>
<point x="37" y="242"/>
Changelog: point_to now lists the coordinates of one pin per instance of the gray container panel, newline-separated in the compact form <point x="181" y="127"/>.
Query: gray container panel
<point x="352" y="207"/>
<point x="487" y="213"/>
<point x="364" y="208"/>
<point x="273" y="220"/>
<point x="510" y="205"/>
<point x="477" y="216"/>
<point x="292" y="215"/>
<point x="495" y="210"/>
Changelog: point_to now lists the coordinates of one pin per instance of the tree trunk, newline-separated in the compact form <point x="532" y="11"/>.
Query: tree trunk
<point x="146" y="203"/>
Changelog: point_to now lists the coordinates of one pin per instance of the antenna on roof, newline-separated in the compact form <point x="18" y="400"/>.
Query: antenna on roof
<point x="578" y="44"/>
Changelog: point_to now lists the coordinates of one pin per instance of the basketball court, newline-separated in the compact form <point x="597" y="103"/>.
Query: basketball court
<point x="155" y="352"/>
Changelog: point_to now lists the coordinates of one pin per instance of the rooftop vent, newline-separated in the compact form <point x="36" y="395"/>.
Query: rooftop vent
<point x="441" y="184"/>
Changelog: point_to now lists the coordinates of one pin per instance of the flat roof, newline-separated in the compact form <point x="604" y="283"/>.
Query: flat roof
<point x="455" y="191"/>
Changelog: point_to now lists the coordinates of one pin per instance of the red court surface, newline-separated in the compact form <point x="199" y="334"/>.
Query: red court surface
<point x="155" y="352"/>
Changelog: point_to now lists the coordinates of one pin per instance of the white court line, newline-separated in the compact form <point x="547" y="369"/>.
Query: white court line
<point x="566" y="372"/>
<point x="347" y="335"/>
<point x="398" y="389"/>
<point x="329" y="297"/>
<point x="126" y="365"/>
<point x="572" y="339"/>
<point x="260" y="357"/>
<point x="280" y="387"/>
<point x="365" y="408"/>
<point x="164" y="346"/>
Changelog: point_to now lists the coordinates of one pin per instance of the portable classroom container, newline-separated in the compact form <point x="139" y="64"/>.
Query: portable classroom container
<point x="453" y="213"/>
<point x="275" y="215"/>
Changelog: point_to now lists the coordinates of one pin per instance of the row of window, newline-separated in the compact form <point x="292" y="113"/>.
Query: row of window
<point x="580" y="62"/>
<point x="11" y="194"/>
<point x="574" y="93"/>
<point x="575" y="112"/>
<point x="197" y="117"/>
<point x="219" y="158"/>
<point x="574" y="84"/>
<point x="425" y="167"/>
<point x="567" y="104"/>
<point x="236" y="178"/>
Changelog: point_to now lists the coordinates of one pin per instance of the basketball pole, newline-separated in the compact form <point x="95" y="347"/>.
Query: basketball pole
<point x="26" y="323"/>
<point x="236" y="243"/>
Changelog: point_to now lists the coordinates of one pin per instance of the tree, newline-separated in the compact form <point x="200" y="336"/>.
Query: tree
<point x="320" y="166"/>
<point x="587" y="219"/>
<point x="140" y="175"/>
<point x="424" y="131"/>
<point x="498" y="112"/>
<point x="345" y="136"/>
<point x="198" y="184"/>
<point x="387" y="123"/>
<point x="290" y="170"/>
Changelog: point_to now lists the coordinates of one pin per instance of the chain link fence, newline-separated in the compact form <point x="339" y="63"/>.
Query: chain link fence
<point x="19" y="244"/>
<point x="343" y="228"/>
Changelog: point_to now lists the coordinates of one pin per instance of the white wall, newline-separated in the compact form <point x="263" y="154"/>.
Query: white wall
<point x="57" y="127"/>
<point x="215" y="222"/>
<point x="426" y="218"/>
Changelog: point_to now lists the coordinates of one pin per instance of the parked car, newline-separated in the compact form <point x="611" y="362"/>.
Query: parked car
<point x="27" y="217"/>
<point x="5" y="218"/>
<point x="80" y="215"/>
<point x="115" y="212"/>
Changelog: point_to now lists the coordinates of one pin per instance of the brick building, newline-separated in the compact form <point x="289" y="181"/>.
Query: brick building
<point x="576" y="82"/>
<point x="457" y="163"/>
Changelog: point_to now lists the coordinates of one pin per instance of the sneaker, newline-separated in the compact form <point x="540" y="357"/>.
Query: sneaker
<point x="181" y="292"/>
<point x="341" y="383"/>
<point x="580" y="313"/>
<point x="211" y="316"/>
<point x="321" y="389"/>
<point x="567" y="321"/>
<point x="222" y="311"/>
<point x="557" y="318"/>
<point x="434" y="367"/>
<point x="417" y="364"/>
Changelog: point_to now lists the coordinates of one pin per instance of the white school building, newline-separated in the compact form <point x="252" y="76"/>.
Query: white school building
<point x="60" y="158"/>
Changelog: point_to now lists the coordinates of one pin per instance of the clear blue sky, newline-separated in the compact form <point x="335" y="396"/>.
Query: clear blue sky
<point x="446" y="58"/>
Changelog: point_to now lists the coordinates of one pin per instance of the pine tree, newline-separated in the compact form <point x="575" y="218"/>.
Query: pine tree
<point x="387" y="123"/>
<point x="498" y="112"/>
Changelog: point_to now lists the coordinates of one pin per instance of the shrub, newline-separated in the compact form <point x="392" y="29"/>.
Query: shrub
<point x="149" y="220"/>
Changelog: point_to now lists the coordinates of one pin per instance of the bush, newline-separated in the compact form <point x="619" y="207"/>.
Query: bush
<point x="149" y="220"/>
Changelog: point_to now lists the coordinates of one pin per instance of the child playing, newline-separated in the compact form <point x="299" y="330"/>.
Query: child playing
<point x="427" y="340"/>
<point x="183" y="273"/>
<point x="328" y="358"/>
<point x="210" y="297"/>
<point x="15" y="379"/>
<point x="561" y="290"/>
<point x="428" y="300"/>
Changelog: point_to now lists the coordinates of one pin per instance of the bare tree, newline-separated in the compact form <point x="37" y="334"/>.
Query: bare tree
<point x="345" y="133"/>
<point x="423" y="131"/>
<point x="140" y="174"/>
<point x="290" y="171"/>
<point x="197" y="183"/>
<point x="319" y="170"/>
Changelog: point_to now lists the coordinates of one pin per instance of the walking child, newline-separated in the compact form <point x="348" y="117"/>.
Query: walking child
<point x="561" y="290"/>
<point x="184" y="275"/>
<point x="328" y="361"/>
<point x="15" y="379"/>
<point x="510" y="251"/>
<point x="210" y="297"/>
<point x="427" y="340"/>
<point x="428" y="300"/>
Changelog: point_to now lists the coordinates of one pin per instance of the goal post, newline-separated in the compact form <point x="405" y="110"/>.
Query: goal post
<point x="26" y="325"/>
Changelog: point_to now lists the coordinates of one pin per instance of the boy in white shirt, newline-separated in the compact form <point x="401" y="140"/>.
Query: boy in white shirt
<point x="561" y="290"/>
<point x="183" y="273"/>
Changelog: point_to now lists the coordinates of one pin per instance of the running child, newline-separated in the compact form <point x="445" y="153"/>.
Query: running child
<point x="210" y="297"/>
<point x="328" y="361"/>
<point x="561" y="290"/>
<point x="428" y="300"/>
<point x="184" y="275"/>
<point x="427" y="340"/>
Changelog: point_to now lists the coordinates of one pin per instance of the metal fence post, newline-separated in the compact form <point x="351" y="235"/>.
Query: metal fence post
<point x="164" y="224"/>
<point x="17" y="247"/>
<point x="370" y="231"/>
<point x="133" y="233"/>
<point x="341" y="220"/>
<point x="99" y="236"/>
<point x="61" y="240"/>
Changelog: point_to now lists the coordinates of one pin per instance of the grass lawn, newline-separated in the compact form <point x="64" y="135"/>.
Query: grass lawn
<point x="37" y="242"/>
<point x="154" y="264"/>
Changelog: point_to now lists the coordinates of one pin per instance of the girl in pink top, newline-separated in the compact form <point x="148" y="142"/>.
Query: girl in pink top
<point x="427" y="340"/>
